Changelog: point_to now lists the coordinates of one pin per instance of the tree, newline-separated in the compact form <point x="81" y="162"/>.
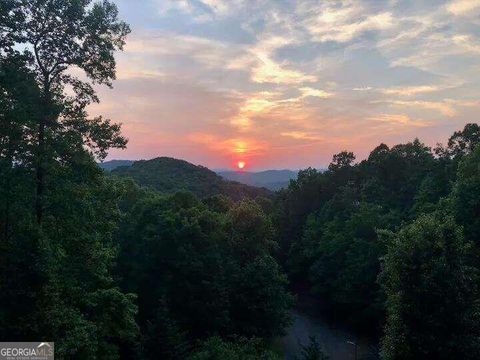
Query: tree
<point x="344" y="257"/>
<point x="341" y="160"/>
<point x="464" y="142"/>
<point x="164" y="337"/>
<point x="312" y="351"/>
<point x="211" y="272"/>
<point x="9" y="17"/>
<point x="251" y="230"/>
<point x="259" y="300"/>
<point x="466" y="195"/>
<point x="56" y="35"/>
<point x="57" y="255"/>
<point x="391" y="177"/>
<point x="260" y="304"/>
<point x="215" y="348"/>
<point x="19" y="105"/>
<point x="293" y="205"/>
<point x="432" y="312"/>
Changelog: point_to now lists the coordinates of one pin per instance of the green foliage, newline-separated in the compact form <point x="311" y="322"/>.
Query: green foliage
<point x="215" y="348"/>
<point x="169" y="175"/>
<point x="211" y="271"/>
<point x="163" y="336"/>
<point x="66" y="33"/>
<point x="111" y="270"/>
<point x="464" y="142"/>
<point x="312" y="351"/>
<point x="58" y="212"/>
<point x="328" y="221"/>
<point x="432" y="312"/>
<point x="62" y="271"/>
<point x="342" y="160"/>
<point x="466" y="195"/>
<point x="345" y="263"/>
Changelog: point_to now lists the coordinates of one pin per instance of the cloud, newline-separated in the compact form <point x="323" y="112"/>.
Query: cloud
<point x="308" y="91"/>
<point x="330" y="22"/>
<point x="199" y="10"/>
<point x="467" y="42"/>
<point x="252" y="105"/>
<point x="268" y="74"/>
<point x="230" y="146"/>
<point x="400" y="119"/>
<point x="463" y="102"/>
<point x="263" y="104"/>
<point x="268" y="71"/>
<point x="462" y="7"/>
<point x="163" y="6"/>
<point x="440" y="106"/>
<point x="218" y="6"/>
<point x="411" y="90"/>
<point x="301" y="135"/>
<point x="162" y="45"/>
<point x="362" y="88"/>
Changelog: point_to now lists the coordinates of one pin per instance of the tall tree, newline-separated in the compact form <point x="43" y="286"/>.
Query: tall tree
<point x="431" y="292"/>
<point x="466" y="195"/>
<point x="56" y="255"/>
<point x="464" y="141"/>
<point x="57" y="35"/>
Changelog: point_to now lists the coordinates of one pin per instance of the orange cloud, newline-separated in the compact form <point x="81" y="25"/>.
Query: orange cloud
<point x="229" y="147"/>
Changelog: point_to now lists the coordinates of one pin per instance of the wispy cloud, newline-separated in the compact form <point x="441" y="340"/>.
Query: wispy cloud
<point x="342" y="21"/>
<point x="443" y="107"/>
<point x="400" y="119"/>
<point x="301" y="135"/>
<point x="362" y="88"/>
<point x="411" y="90"/>
<point x="468" y="42"/>
<point x="216" y="74"/>
<point x="245" y="147"/>
<point x="308" y="91"/>
<point x="462" y="7"/>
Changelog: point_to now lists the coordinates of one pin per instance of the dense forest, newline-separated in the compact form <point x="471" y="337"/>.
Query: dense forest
<point x="147" y="264"/>
<point x="169" y="175"/>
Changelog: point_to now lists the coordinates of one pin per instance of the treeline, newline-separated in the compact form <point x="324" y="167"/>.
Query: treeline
<point x="109" y="269"/>
<point x="169" y="175"/>
<point x="101" y="266"/>
<point x="395" y="237"/>
<point x="200" y="269"/>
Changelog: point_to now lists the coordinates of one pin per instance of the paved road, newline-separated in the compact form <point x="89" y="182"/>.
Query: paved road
<point x="332" y="338"/>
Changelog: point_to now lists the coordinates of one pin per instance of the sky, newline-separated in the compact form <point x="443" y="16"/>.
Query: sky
<point x="287" y="84"/>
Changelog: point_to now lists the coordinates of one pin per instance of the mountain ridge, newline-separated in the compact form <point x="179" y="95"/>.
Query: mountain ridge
<point x="170" y="175"/>
<point x="272" y="179"/>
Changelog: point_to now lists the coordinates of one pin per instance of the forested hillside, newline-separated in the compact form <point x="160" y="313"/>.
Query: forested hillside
<point x="170" y="175"/>
<point x="391" y="242"/>
<point x="113" y="164"/>
<point x="270" y="179"/>
<point x="166" y="260"/>
<point x="103" y="267"/>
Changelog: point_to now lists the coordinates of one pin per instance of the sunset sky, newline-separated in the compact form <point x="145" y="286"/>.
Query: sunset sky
<point x="286" y="84"/>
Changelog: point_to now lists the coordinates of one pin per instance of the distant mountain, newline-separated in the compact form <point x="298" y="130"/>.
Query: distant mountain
<point x="113" y="164"/>
<point x="170" y="175"/>
<point x="270" y="179"/>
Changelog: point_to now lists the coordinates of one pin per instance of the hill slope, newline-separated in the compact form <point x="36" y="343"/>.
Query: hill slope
<point x="113" y="164"/>
<point x="270" y="179"/>
<point x="170" y="175"/>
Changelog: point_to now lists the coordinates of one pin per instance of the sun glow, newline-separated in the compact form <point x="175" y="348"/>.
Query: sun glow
<point x="241" y="165"/>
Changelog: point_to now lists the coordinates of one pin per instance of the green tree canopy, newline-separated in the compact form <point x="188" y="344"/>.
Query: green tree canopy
<point x="431" y="293"/>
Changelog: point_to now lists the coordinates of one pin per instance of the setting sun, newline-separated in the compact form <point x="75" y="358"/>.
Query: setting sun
<point x="241" y="164"/>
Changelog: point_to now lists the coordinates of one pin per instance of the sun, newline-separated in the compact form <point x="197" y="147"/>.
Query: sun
<point x="241" y="165"/>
